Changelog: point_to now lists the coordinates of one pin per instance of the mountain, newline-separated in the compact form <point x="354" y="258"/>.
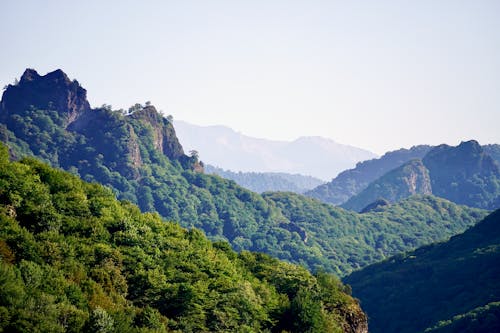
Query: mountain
<point x="74" y="259"/>
<point x="494" y="151"/>
<point x="225" y="148"/>
<point x="345" y="241"/>
<point x="409" y="179"/>
<point x="137" y="155"/>
<point x="351" y="182"/>
<point x="445" y="287"/>
<point x="464" y="174"/>
<point x="267" y="181"/>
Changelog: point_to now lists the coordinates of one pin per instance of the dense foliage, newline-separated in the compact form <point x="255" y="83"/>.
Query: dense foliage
<point x="136" y="153"/>
<point x="444" y="287"/>
<point x="494" y="151"/>
<point x="73" y="258"/>
<point x="345" y="240"/>
<point x="353" y="181"/>
<point x="268" y="181"/>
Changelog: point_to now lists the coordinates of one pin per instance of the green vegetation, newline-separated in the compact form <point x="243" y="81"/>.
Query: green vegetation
<point x="346" y="241"/>
<point x="353" y="181"/>
<point x="409" y="179"/>
<point x="268" y="181"/>
<point x="73" y="259"/>
<point x="136" y="154"/>
<point x="484" y="319"/>
<point x="464" y="174"/>
<point x="444" y="287"/>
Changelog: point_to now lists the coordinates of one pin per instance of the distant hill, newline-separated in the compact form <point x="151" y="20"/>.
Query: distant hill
<point x="267" y="181"/>
<point x="225" y="148"/>
<point x="445" y="287"/>
<point x="464" y="174"/>
<point x="351" y="182"/>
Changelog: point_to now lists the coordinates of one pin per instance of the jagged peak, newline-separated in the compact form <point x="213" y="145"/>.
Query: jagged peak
<point x="53" y="90"/>
<point x="29" y="75"/>
<point x="57" y="75"/>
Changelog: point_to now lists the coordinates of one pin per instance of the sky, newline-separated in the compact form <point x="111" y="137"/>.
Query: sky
<point x="379" y="75"/>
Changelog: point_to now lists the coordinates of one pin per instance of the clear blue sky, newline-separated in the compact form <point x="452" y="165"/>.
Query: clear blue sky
<point x="375" y="74"/>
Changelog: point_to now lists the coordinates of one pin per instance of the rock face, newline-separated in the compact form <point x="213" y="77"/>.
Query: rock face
<point x="353" y="181"/>
<point x="53" y="91"/>
<point x="63" y="103"/>
<point x="464" y="174"/>
<point x="409" y="179"/>
<point x="165" y="139"/>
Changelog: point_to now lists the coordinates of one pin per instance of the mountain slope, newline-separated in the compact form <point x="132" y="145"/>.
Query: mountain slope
<point x="267" y="181"/>
<point x="313" y="156"/>
<point x="73" y="259"/>
<point x="436" y="283"/>
<point x="494" y="151"/>
<point x="351" y="182"/>
<point x="346" y="241"/>
<point x="136" y="153"/>
<point x="409" y="179"/>
<point x="464" y="174"/>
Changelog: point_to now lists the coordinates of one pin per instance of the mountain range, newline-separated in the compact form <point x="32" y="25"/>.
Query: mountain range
<point x="73" y="256"/>
<point x="136" y="153"/>
<point x="464" y="174"/>
<point x="225" y="148"/>
<point x="351" y="182"/>
<point x="267" y="181"/>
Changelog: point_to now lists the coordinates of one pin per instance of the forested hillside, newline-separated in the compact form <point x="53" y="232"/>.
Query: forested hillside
<point x="267" y="181"/>
<point x="445" y="287"/>
<point x="73" y="259"/>
<point x="345" y="240"/>
<point x="136" y="153"/>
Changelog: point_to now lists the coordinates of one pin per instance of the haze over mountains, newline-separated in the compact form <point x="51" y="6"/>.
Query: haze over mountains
<point x="223" y="147"/>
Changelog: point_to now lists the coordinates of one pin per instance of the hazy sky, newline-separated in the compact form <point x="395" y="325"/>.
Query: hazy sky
<point x="374" y="74"/>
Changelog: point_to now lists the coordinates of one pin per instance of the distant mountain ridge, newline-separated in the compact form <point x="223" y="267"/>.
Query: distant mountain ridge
<point x="350" y="182"/>
<point x="464" y="174"/>
<point x="223" y="147"/>
<point x="267" y="181"/>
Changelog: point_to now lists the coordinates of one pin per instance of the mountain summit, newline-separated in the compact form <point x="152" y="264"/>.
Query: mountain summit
<point x="54" y="91"/>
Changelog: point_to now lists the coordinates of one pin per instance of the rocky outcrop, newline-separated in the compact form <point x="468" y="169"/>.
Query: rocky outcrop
<point x="409" y="179"/>
<point x="53" y="91"/>
<point x="464" y="174"/>
<point x="164" y="137"/>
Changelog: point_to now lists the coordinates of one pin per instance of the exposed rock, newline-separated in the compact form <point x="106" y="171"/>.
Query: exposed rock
<point x="409" y="179"/>
<point x="165" y="139"/>
<point x="53" y="91"/>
